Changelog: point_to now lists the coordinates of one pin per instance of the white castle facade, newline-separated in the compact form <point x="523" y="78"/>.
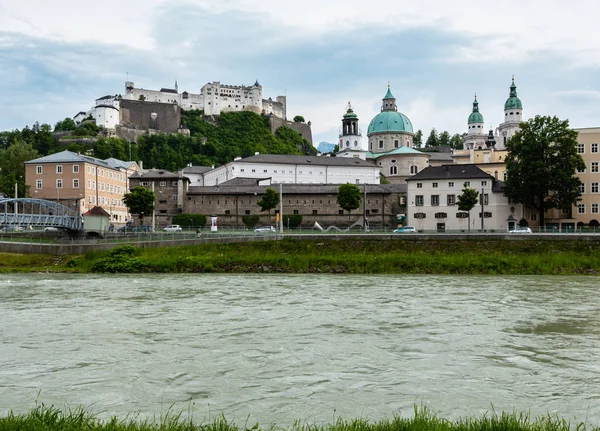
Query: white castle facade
<point x="213" y="99"/>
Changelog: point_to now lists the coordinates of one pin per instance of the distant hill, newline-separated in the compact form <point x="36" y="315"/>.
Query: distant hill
<point x="325" y="147"/>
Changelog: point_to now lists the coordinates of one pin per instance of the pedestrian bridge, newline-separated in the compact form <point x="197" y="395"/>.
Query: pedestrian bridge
<point x="26" y="212"/>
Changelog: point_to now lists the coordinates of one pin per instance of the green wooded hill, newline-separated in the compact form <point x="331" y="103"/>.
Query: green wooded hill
<point x="234" y="134"/>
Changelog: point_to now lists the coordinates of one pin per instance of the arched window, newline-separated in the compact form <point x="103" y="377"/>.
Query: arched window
<point x="414" y="170"/>
<point x="393" y="170"/>
<point x="347" y="143"/>
<point x="356" y="143"/>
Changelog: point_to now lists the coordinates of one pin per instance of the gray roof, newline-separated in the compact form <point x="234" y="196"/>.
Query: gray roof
<point x="196" y="169"/>
<point x="445" y="157"/>
<point x="306" y="160"/>
<point x="241" y="181"/>
<point x="156" y="174"/>
<point x="287" y="189"/>
<point x="70" y="157"/>
<point x="120" y="163"/>
<point x="450" y="172"/>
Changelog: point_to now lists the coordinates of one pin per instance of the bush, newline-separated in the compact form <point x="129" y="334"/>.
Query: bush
<point x="190" y="220"/>
<point x="295" y="220"/>
<point x="250" y="220"/>
<point x="119" y="260"/>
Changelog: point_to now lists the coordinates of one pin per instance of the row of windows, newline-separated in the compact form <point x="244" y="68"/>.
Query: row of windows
<point x="486" y="214"/>
<point x="435" y="185"/>
<point x="593" y="168"/>
<point x="581" y="208"/>
<point x="161" y="184"/>
<point x="90" y="169"/>
<point x="593" y="187"/>
<point x="450" y="200"/>
<point x="593" y="148"/>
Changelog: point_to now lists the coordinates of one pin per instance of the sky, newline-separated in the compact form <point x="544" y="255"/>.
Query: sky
<point x="57" y="57"/>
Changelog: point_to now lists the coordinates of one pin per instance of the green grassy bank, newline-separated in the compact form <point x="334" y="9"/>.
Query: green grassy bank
<point x="51" y="419"/>
<point x="355" y="256"/>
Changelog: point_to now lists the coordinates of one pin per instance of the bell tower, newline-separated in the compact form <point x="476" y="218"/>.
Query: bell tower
<point x="350" y="138"/>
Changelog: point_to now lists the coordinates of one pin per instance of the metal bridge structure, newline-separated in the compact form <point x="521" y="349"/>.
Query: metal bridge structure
<point x="28" y="212"/>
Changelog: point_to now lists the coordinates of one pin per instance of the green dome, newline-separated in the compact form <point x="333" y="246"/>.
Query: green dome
<point x="475" y="116"/>
<point x="513" y="102"/>
<point x="390" y="121"/>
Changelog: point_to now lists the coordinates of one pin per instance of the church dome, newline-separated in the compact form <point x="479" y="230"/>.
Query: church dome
<point x="389" y="119"/>
<point x="513" y="102"/>
<point x="475" y="116"/>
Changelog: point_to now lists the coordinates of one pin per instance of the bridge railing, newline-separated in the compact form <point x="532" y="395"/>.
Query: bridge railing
<point x="38" y="212"/>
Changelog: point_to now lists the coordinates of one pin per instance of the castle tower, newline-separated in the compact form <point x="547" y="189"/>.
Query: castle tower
<point x="513" y="115"/>
<point x="475" y="135"/>
<point x="350" y="138"/>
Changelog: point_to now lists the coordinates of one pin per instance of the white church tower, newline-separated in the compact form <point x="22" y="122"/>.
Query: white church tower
<point x="350" y="138"/>
<point x="513" y="115"/>
<point x="476" y="135"/>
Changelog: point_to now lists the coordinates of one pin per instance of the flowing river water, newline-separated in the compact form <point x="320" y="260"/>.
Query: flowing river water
<point x="275" y="348"/>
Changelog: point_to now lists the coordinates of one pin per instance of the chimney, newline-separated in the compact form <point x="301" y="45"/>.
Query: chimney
<point x="141" y="164"/>
<point x="256" y="153"/>
<point x="496" y="174"/>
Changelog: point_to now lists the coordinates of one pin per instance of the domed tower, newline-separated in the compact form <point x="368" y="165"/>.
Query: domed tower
<point x="350" y="138"/>
<point x="513" y="115"/>
<point x="476" y="135"/>
<point x="389" y="129"/>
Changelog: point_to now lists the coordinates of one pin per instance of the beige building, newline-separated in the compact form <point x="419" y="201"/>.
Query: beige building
<point x="81" y="182"/>
<point x="587" y="211"/>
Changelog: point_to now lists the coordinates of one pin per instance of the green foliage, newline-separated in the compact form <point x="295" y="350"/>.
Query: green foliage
<point x="106" y="148"/>
<point x="250" y="220"/>
<point x="541" y="165"/>
<point x="418" y="139"/>
<point x="298" y="119"/>
<point x="269" y="200"/>
<point x="140" y="201"/>
<point x="119" y="260"/>
<point x="65" y="125"/>
<point x="432" y="139"/>
<point x="456" y="142"/>
<point x="291" y="220"/>
<point x="467" y="200"/>
<point x="190" y="220"/>
<point x="12" y="169"/>
<point x="348" y="197"/>
<point x="444" y="138"/>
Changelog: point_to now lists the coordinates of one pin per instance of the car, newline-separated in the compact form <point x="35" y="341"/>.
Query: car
<point x="263" y="229"/>
<point x="50" y="229"/>
<point x="521" y="230"/>
<point x="406" y="229"/>
<point x="172" y="228"/>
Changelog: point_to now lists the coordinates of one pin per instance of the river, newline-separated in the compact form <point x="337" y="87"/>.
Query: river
<point x="275" y="348"/>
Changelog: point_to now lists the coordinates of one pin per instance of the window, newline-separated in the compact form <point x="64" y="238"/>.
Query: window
<point x="396" y="143"/>
<point x="580" y="148"/>
<point x="419" y="215"/>
<point x="533" y="217"/>
<point x="419" y="200"/>
<point x="393" y="170"/>
<point x="247" y="212"/>
<point x="595" y="148"/>
<point x="163" y="202"/>
<point x="484" y="184"/>
<point x="314" y="212"/>
<point x="145" y="183"/>
<point x="414" y="170"/>
<point x="75" y="183"/>
<point x="175" y="198"/>
<point x="59" y="169"/>
<point x="580" y="208"/>
<point x="486" y="215"/>
<point x="434" y="185"/>
<point x="594" y="208"/>
<point x="163" y="183"/>
<point x="451" y="184"/>
<point x="59" y="183"/>
<point x="594" y="167"/>
<point x="582" y="188"/>
<point x="594" y="187"/>
<point x="38" y="170"/>
<point x="467" y="183"/>
<point x="75" y="169"/>
<point x="451" y="200"/>
<point x="504" y="176"/>
<point x="380" y="144"/>
<point x="38" y="184"/>
<point x="462" y="214"/>
<point x="486" y="199"/>
<point x="419" y="185"/>
<point x="435" y="200"/>
<point x="441" y="215"/>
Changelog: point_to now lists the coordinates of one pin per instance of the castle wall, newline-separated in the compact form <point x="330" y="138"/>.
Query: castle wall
<point x="165" y="117"/>
<point x="302" y="128"/>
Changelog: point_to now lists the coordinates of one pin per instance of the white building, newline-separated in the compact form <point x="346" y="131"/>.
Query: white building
<point x="350" y="143"/>
<point x="296" y="170"/>
<point x="432" y="194"/>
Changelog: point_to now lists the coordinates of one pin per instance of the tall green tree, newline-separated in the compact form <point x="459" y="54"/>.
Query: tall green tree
<point x="432" y="139"/>
<point x="456" y="142"/>
<point x="269" y="200"/>
<point x="140" y="201"/>
<point x="444" y="138"/>
<point x="541" y="164"/>
<point x="467" y="200"/>
<point x="12" y="169"/>
<point x="348" y="197"/>
<point x="418" y="139"/>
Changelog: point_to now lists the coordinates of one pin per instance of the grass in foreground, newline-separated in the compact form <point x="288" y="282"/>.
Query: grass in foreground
<point x="52" y="419"/>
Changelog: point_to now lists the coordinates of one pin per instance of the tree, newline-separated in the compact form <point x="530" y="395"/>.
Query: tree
<point x="269" y="200"/>
<point x="467" y="200"/>
<point x="432" y="139"/>
<point x="298" y="119"/>
<point x="348" y="197"/>
<point x="140" y="201"/>
<point x="418" y="139"/>
<point x="541" y="164"/>
<point x="12" y="169"/>
<point x="65" y="125"/>
<point x="444" y="139"/>
<point x="456" y="142"/>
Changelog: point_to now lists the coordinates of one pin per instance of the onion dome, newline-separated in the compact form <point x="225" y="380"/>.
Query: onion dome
<point x="475" y="116"/>
<point x="513" y="102"/>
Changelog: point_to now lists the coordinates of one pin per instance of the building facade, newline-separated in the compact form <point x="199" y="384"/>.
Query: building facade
<point x="81" y="182"/>
<point x="432" y="201"/>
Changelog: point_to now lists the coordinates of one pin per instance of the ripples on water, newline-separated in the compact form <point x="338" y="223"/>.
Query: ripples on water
<point x="309" y="347"/>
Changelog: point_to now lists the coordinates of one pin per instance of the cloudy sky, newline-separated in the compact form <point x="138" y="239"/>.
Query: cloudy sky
<point x="57" y="56"/>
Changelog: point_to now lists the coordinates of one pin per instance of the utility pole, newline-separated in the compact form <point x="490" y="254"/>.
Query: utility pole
<point x="16" y="203"/>
<point x="280" y="207"/>
<point x="153" y="210"/>
<point x="365" y="225"/>
<point x="482" y="209"/>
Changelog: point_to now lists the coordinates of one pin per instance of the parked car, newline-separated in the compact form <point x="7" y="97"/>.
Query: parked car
<point x="50" y="229"/>
<point x="172" y="228"/>
<point x="521" y="230"/>
<point x="406" y="229"/>
<point x="263" y="229"/>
